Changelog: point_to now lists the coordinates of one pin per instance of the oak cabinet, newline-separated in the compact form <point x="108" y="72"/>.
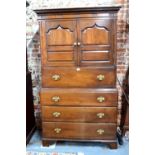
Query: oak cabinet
<point x="78" y="53"/>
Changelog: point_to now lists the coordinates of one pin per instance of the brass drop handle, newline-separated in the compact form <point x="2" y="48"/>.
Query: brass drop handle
<point x="100" y="99"/>
<point x="78" y="43"/>
<point x="56" y="114"/>
<point x="100" y="115"/>
<point x="56" y="98"/>
<point x="100" y="131"/>
<point x="100" y="77"/>
<point x="56" y="77"/>
<point x="57" y="130"/>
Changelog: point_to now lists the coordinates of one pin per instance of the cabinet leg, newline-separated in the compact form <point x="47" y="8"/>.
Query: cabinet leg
<point x="45" y="142"/>
<point x="113" y="145"/>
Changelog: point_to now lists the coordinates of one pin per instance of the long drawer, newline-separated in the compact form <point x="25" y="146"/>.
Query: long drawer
<point x="78" y="97"/>
<point x="78" y="77"/>
<point x="63" y="130"/>
<point x="79" y="114"/>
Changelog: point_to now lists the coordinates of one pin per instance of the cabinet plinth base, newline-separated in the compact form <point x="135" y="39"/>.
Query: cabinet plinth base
<point x="111" y="145"/>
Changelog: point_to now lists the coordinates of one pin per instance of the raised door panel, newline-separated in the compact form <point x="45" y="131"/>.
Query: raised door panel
<point x="95" y="35"/>
<point x="58" y="37"/>
<point x="96" y="42"/>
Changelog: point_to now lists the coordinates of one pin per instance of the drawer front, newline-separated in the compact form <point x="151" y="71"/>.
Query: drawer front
<point x="78" y="77"/>
<point x="78" y="97"/>
<point x="79" y="114"/>
<point x="94" y="131"/>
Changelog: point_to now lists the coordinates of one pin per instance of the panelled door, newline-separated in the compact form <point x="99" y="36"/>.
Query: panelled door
<point x="95" y="39"/>
<point x="58" y="43"/>
<point x="79" y="42"/>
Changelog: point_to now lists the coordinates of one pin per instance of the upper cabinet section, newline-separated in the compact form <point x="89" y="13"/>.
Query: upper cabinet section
<point x="78" y="37"/>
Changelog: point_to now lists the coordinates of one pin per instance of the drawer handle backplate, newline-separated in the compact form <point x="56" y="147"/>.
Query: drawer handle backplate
<point x="100" y="99"/>
<point x="100" y="131"/>
<point x="100" y="115"/>
<point x="56" y="114"/>
<point x="57" y="130"/>
<point x="56" y="98"/>
<point x="56" y="77"/>
<point x="100" y="77"/>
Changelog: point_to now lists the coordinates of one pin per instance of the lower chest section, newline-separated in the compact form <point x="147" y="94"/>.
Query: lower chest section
<point x="79" y="113"/>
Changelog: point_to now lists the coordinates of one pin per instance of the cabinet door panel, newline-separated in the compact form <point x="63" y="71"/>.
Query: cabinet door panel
<point x="95" y="37"/>
<point x="58" y="37"/>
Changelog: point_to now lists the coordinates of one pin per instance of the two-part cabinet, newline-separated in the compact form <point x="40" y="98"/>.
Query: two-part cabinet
<point x="78" y="56"/>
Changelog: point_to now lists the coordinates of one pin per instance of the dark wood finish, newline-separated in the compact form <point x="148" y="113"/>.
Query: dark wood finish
<point x="126" y="122"/>
<point x="60" y="56"/>
<point x="85" y="77"/>
<point x="78" y="52"/>
<point x="56" y="35"/>
<point x="79" y="97"/>
<point x="49" y="141"/>
<point x="108" y="9"/>
<point x="79" y="114"/>
<point x="95" y="34"/>
<point x="113" y="145"/>
<point x="95" y="55"/>
<point x="79" y="130"/>
<point x="45" y="143"/>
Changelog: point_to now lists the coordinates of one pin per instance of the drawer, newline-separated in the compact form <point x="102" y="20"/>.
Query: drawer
<point x="79" y="97"/>
<point x="79" y="114"/>
<point x="94" y="131"/>
<point x="78" y="77"/>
